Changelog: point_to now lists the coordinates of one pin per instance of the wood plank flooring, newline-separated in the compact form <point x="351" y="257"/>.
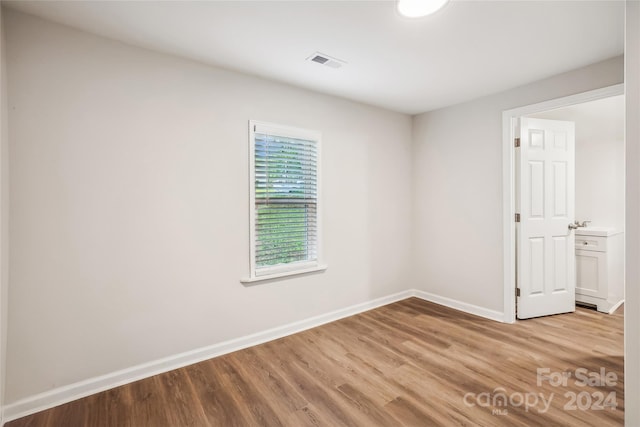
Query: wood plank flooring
<point x="410" y="363"/>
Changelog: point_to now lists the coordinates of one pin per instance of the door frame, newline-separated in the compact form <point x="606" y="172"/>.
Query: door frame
<point x="509" y="118"/>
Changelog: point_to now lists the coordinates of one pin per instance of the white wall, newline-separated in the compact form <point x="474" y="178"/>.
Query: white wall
<point x="129" y="199"/>
<point x="600" y="164"/>
<point x="457" y="178"/>
<point x="4" y="217"/>
<point x="632" y="290"/>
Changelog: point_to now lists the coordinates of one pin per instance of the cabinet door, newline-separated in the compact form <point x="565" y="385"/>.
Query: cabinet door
<point x="591" y="277"/>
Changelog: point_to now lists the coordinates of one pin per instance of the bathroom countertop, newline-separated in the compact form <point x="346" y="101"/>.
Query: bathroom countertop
<point x="597" y="231"/>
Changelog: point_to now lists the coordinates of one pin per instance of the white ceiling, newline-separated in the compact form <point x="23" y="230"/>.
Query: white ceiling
<point x="466" y="50"/>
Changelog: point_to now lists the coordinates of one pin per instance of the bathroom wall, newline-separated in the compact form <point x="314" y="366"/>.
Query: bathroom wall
<point x="599" y="159"/>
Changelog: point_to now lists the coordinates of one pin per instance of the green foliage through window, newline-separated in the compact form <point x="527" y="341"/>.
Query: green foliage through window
<point x="285" y="200"/>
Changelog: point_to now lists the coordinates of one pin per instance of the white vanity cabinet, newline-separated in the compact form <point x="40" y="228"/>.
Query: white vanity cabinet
<point x="600" y="267"/>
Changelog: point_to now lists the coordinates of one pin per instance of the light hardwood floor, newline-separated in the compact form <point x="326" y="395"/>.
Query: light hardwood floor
<point x="410" y="363"/>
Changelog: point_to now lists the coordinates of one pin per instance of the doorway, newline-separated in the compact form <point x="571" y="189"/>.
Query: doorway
<point x="510" y="130"/>
<point x="599" y="196"/>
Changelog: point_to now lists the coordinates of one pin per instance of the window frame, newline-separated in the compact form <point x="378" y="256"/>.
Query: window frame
<point x="295" y="267"/>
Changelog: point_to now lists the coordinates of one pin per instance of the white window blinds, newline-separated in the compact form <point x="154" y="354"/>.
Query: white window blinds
<point x="285" y="199"/>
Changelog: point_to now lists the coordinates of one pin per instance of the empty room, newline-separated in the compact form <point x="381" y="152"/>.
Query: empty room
<point x="319" y="213"/>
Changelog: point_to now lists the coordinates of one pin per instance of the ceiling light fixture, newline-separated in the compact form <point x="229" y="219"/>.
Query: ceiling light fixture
<point x="419" y="8"/>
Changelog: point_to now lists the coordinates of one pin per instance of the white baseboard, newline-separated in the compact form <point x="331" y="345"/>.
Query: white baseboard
<point x="615" y="306"/>
<point x="461" y="306"/>
<point x="68" y="393"/>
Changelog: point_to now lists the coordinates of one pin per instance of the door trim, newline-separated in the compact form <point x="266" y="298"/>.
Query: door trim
<point x="508" y="186"/>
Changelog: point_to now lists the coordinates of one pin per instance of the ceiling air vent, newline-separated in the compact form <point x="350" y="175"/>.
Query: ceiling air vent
<point x="326" y="60"/>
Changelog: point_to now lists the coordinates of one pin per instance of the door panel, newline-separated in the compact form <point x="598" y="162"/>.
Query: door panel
<point x="560" y="189"/>
<point x="536" y="176"/>
<point x="536" y="246"/>
<point x="546" y="199"/>
<point x="560" y="253"/>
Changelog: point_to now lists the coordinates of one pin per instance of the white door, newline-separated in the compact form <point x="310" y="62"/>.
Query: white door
<point x="546" y="274"/>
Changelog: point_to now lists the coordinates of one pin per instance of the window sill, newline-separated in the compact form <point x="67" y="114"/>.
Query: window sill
<point x="283" y="274"/>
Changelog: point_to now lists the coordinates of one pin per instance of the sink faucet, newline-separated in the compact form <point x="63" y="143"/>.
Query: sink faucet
<point x="578" y="224"/>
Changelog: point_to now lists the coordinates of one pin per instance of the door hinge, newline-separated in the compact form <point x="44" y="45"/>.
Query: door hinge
<point x="517" y="217"/>
<point x="517" y="142"/>
<point x="517" y="292"/>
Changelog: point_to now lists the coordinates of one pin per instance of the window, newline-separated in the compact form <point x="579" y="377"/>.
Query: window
<point x="285" y="221"/>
